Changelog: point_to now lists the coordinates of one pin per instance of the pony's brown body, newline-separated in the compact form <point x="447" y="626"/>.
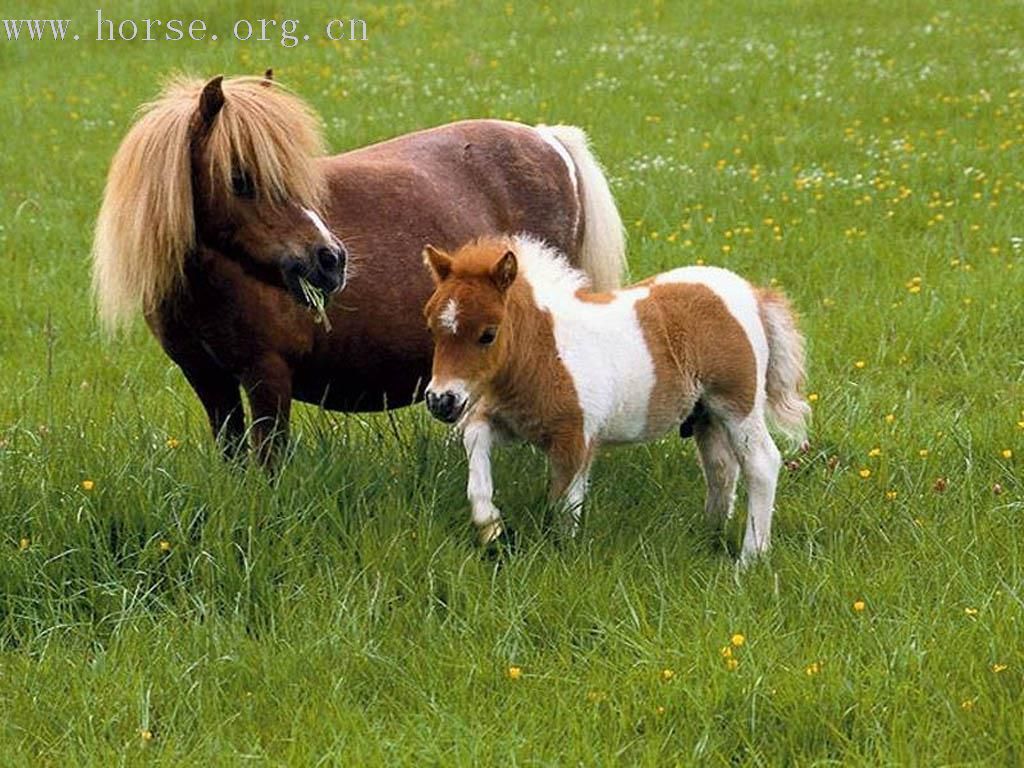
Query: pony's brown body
<point x="231" y="323"/>
<point x="387" y="200"/>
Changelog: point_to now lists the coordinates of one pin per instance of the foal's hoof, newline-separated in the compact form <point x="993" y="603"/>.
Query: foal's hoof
<point x="501" y="546"/>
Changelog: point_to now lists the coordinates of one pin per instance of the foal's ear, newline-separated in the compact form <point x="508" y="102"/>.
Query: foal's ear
<point x="439" y="263"/>
<point x="212" y="99"/>
<point x="268" y="78"/>
<point x="503" y="273"/>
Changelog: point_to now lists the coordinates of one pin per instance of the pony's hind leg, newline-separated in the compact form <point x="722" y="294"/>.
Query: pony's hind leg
<point x="760" y="462"/>
<point x="721" y="469"/>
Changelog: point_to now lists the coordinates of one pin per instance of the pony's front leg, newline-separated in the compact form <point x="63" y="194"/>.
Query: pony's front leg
<point x="269" y="386"/>
<point x="216" y="388"/>
<point x="570" y="461"/>
<point x="478" y="437"/>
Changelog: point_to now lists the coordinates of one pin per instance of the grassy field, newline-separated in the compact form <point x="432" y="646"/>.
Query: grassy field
<point x="158" y="608"/>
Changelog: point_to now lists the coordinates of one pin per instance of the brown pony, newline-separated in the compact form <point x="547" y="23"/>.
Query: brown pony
<point x="220" y="207"/>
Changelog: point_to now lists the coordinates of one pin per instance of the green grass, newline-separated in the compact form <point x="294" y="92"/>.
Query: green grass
<point x="341" y="614"/>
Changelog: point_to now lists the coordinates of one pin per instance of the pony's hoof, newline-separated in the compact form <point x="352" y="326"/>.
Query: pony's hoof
<point x="502" y="546"/>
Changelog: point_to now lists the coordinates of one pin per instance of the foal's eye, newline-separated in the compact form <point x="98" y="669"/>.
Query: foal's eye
<point x="487" y="337"/>
<point x="241" y="184"/>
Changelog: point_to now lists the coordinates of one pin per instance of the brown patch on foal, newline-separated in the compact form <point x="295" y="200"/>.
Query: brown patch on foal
<point x="699" y="350"/>
<point x="584" y="294"/>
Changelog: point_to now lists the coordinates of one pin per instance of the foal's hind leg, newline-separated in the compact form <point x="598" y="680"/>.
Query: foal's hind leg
<point x="760" y="461"/>
<point x="721" y="469"/>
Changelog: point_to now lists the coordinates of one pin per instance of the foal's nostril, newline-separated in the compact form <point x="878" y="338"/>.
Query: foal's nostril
<point x="327" y="259"/>
<point x="442" y="406"/>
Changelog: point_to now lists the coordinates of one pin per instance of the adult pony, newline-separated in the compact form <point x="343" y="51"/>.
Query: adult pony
<point x="220" y="207"/>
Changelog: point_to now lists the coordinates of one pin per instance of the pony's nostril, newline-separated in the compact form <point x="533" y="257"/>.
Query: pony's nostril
<point x="327" y="259"/>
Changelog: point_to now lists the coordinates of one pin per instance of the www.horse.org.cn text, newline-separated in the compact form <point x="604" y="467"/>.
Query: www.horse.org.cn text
<point x="286" y="32"/>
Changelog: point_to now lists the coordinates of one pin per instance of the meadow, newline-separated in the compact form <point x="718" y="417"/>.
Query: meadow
<point x="158" y="607"/>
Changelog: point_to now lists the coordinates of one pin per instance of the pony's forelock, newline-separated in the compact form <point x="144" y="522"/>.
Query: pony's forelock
<point x="146" y="226"/>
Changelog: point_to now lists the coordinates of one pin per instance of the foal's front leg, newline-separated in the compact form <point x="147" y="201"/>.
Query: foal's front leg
<point x="478" y="437"/>
<point x="570" y="460"/>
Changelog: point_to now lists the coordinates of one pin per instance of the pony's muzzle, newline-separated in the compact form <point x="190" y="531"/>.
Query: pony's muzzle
<point x="329" y="262"/>
<point x="445" y="406"/>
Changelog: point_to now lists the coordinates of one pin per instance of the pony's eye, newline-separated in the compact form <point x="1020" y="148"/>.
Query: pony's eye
<point x="487" y="337"/>
<point x="241" y="184"/>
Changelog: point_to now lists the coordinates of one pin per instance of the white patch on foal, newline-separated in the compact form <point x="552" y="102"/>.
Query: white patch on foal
<point x="601" y="345"/>
<point x="449" y="317"/>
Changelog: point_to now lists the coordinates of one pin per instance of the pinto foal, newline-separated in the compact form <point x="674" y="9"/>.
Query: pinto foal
<point x="524" y="349"/>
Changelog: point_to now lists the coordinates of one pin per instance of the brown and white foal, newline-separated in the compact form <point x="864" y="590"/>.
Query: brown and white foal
<point x="523" y="348"/>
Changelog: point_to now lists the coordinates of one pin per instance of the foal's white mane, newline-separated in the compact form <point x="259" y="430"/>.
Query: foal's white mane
<point x="547" y="269"/>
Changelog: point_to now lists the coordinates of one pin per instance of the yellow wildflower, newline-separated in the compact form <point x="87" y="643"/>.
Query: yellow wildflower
<point x="514" y="672"/>
<point x="737" y="640"/>
<point x="88" y="485"/>
<point x="859" y="606"/>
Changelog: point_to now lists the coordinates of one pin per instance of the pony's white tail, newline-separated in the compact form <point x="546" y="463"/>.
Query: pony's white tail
<point x="604" y="240"/>
<point x="784" y="380"/>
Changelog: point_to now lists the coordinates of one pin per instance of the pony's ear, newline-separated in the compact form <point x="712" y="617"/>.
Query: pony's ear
<point x="503" y="273"/>
<point x="439" y="263"/>
<point x="212" y="99"/>
<point x="268" y="78"/>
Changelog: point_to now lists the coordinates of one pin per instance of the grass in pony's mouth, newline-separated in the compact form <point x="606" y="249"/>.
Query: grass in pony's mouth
<point x="317" y="302"/>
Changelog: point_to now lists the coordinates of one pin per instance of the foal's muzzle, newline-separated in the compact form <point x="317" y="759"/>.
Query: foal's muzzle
<point x="446" y="406"/>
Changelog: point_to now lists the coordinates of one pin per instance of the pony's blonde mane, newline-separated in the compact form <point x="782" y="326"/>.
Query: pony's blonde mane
<point x="145" y="226"/>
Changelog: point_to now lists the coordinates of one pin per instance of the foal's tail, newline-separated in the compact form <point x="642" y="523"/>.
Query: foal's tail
<point x="784" y="380"/>
<point x="603" y="257"/>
